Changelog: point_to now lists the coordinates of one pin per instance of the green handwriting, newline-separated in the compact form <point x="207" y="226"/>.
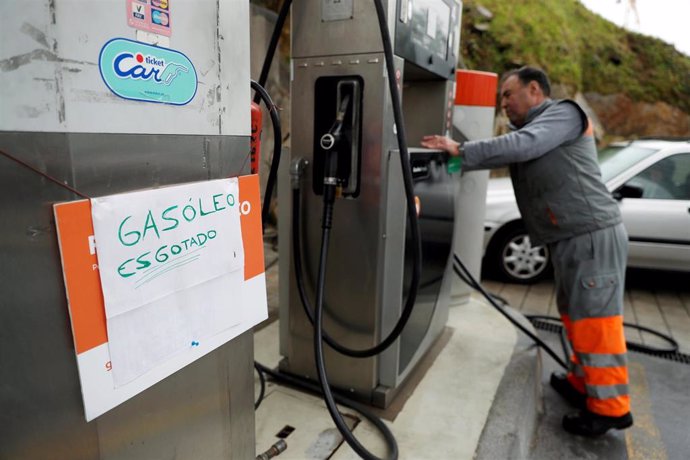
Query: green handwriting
<point x="131" y="231"/>
<point x="165" y="253"/>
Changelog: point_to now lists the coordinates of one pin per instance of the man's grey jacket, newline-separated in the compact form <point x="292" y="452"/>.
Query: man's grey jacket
<point x="554" y="169"/>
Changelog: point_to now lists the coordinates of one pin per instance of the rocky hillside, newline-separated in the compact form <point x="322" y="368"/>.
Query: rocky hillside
<point x="635" y="84"/>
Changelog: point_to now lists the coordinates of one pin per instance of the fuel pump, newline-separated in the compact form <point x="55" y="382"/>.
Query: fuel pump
<point x="382" y="308"/>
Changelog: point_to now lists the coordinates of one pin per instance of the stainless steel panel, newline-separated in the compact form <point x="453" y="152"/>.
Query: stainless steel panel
<point x="430" y="312"/>
<point x="364" y="283"/>
<point x="203" y="411"/>
<point x="50" y="79"/>
<point x="428" y="107"/>
<point x="436" y="222"/>
<point x="331" y="38"/>
<point x="353" y="284"/>
<point x="336" y="10"/>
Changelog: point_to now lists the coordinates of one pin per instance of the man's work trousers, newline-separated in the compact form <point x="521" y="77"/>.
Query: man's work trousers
<point x="590" y="280"/>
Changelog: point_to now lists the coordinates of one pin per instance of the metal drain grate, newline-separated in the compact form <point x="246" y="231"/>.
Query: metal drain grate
<point x="678" y="357"/>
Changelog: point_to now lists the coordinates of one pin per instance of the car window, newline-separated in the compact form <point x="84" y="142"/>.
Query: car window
<point x="667" y="179"/>
<point x="614" y="160"/>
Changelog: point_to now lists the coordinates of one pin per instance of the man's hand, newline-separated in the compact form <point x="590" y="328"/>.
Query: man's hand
<point x="442" y="143"/>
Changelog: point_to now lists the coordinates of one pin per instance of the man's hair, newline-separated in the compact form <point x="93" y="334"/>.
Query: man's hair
<point x="527" y="74"/>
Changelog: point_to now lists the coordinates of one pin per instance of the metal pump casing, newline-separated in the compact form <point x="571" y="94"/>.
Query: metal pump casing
<point x="366" y="269"/>
<point x="58" y="115"/>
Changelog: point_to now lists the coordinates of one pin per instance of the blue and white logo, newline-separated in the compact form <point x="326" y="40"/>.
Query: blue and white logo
<point x="142" y="72"/>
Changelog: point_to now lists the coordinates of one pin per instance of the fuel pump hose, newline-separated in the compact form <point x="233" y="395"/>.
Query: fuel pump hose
<point x="464" y="274"/>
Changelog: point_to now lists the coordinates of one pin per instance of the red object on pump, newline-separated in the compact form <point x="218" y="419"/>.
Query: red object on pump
<point x="255" y="145"/>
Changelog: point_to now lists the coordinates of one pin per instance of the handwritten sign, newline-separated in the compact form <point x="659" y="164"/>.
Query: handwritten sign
<point x="166" y="334"/>
<point x="157" y="242"/>
<point x="169" y="259"/>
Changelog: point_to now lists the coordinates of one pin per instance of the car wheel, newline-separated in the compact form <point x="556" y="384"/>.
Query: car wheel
<point x="516" y="260"/>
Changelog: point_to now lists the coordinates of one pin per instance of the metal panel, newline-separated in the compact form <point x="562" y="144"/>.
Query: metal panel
<point x="365" y="272"/>
<point x="348" y="36"/>
<point x="50" y="80"/>
<point x="426" y="109"/>
<point x="430" y="311"/>
<point x="203" y="411"/>
<point x="364" y="282"/>
<point x="353" y="293"/>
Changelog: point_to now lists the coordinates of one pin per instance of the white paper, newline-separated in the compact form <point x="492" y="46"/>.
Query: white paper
<point x="144" y="337"/>
<point x="170" y="263"/>
<point x="99" y="392"/>
<point x="154" y="243"/>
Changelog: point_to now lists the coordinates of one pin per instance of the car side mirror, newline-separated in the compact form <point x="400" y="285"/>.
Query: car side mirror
<point x="627" y="191"/>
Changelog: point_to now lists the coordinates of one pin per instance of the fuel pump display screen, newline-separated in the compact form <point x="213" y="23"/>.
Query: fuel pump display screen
<point x="425" y="34"/>
<point x="430" y="22"/>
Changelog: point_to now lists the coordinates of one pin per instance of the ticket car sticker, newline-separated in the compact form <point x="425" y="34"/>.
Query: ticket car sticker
<point x="141" y="72"/>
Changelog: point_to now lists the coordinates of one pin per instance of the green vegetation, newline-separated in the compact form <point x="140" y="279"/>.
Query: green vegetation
<point x="576" y="47"/>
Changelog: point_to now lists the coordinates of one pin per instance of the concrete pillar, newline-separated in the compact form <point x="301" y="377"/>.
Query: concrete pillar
<point x="473" y="118"/>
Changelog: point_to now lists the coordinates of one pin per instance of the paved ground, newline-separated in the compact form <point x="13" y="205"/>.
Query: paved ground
<point x="655" y="299"/>
<point x="659" y="388"/>
<point x="661" y="399"/>
<point x="660" y="405"/>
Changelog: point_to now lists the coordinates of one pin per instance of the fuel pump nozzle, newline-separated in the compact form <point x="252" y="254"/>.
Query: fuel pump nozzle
<point x="337" y="140"/>
<point x="331" y="144"/>
<point x="333" y="136"/>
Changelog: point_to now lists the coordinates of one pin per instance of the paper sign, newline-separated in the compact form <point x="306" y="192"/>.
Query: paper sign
<point x="154" y="243"/>
<point x="143" y="338"/>
<point x="242" y="296"/>
<point x="166" y="262"/>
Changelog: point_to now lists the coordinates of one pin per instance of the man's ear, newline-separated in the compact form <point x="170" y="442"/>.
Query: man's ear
<point x="534" y="88"/>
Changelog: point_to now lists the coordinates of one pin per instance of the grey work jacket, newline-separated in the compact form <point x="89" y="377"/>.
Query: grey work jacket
<point x="555" y="173"/>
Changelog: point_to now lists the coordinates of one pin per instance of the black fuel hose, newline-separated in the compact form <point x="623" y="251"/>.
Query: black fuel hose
<point x="318" y="334"/>
<point x="308" y="385"/>
<point x="272" y="45"/>
<point x="493" y="299"/>
<point x="460" y="269"/>
<point x="414" y="230"/>
<point x="634" y="346"/>
<point x="417" y="259"/>
<point x="262" y="385"/>
<point x="261" y="369"/>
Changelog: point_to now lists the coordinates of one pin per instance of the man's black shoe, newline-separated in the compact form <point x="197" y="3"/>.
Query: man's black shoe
<point x="585" y="423"/>
<point x="563" y="387"/>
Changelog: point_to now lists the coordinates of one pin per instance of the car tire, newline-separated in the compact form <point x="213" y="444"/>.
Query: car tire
<point x="513" y="259"/>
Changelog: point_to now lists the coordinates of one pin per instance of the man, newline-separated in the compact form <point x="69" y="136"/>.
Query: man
<point x="564" y="204"/>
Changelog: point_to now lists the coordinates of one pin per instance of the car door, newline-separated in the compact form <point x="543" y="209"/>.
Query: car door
<point x="658" y="222"/>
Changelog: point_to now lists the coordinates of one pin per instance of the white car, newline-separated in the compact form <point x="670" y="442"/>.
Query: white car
<point x="651" y="181"/>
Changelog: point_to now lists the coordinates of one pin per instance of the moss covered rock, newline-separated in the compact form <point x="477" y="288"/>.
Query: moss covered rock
<point x="580" y="51"/>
